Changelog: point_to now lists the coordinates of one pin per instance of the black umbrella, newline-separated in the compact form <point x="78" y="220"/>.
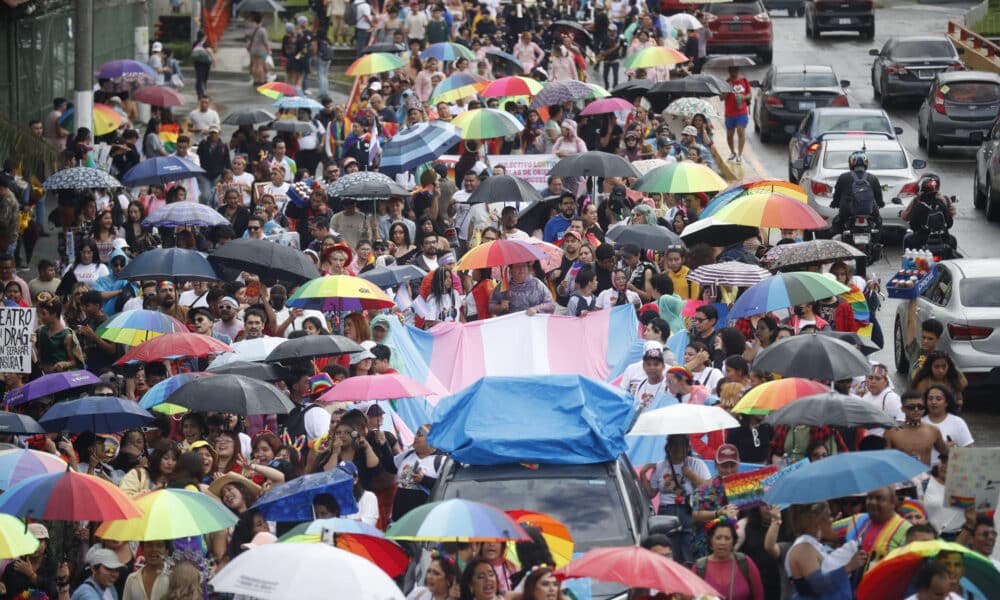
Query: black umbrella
<point x="701" y="85"/>
<point x="830" y="409"/>
<point x="505" y="188"/>
<point x="630" y="90"/>
<point x="593" y="164"/>
<point x="535" y="216"/>
<point x="580" y="35"/>
<point x="15" y="423"/>
<point x="172" y="264"/>
<point x="313" y="346"/>
<point x="651" y="237"/>
<point x="384" y="47"/>
<point x="233" y="394"/>
<point x="365" y="185"/>
<point x="716" y="233"/>
<point x="813" y="356"/>
<point x="393" y="275"/>
<point x="290" y="126"/>
<point x="269" y="261"/>
<point x="253" y="370"/>
<point x="261" y="6"/>
<point x="864" y="344"/>
<point x="249" y="116"/>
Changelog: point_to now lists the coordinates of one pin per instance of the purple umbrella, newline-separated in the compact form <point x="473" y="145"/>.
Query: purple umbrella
<point x="127" y="70"/>
<point x="47" y="385"/>
<point x="607" y="105"/>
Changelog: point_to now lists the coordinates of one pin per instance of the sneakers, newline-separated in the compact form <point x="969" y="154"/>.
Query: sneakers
<point x="739" y="159"/>
<point x="732" y="157"/>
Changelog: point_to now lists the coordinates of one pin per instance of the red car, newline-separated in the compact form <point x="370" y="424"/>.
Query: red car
<point x="740" y="28"/>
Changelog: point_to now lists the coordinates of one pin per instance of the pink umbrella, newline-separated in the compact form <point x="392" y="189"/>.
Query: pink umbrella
<point x="391" y="386"/>
<point x="158" y="95"/>
<point x="553" y="253"/>
<point x="607" y="105"/>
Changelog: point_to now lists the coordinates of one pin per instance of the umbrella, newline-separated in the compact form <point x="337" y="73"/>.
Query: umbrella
<point x="172" y="346"/>
<point x="17" y="423"/>
<point x="607" y="105"/>
<point x="126" y="70"/>
<point x="510" y="59"/>
<point x="161" y="170"/>
<point x="725" y="62"/>
<point x="15" y="540"/>
<point x="170" y="514"/>
<point x="456" y="520"/>
<point x="553" y="253"/>
<point x="506" y="189"/>
<point x="844" y="475"/>
<point x="277" y="89"/>
<point x="292" y="500"/>
<point x="512" y="86"/>
<point x="390" y="386"/>
<point x="486" y="123"/>
<point x="651" y="237"/>
<point x="597" y="92"/>
<point x="499" y="253"/>
<point x="645" y="166"/>
<point x="297" y="103"/>
<point x="80" y="178"/>
<point x="447" y="52"/>
<point x="304" y="572"/>
<point x="593" y="164"/>
<point x="892" y="576"/>
<point x="459" y="85"/>
<point x="683" y="418"/>
<point x="233" y="394"/>
<point x="385" y="554"/>
<point x="558" y="92"/>
<point x="311" y="531"/>
<point x="556" y="534"/>
<point x="134" y="327"/>
<point x="269" y="261"/>
<point x="684" y="22"/>
<point x="572" y="28"/>
<point x="339" y="293"/>
<point x="290" y="126"/>
<point x="261" y="371"/>
<point x="156" y="397"/>
<point x="418" y="145"/>
<point x="188" y="212"/>
<point x="693" y="86"/>
<point x="785" y="290"/>
<point x="637" y="567"/>
<point x="68" y="496"/>
<point x="813" y="357"/>
<point x="770" y="396"/>
<point x="387" y="47"/>
<point x="813" y="252"/>
<point x="158" y="95"/>
<point x="729" y="273"/>
<point x="654" y="56"/>
<point x="685" y="177"/>
<point x="365" y="186"/>
<point x="47" y="385"/>
<point x="739" y="190"/>
<point x="248" y="116"/>
<point x="832" y="409"/>
<point x="261" y="6"/>
<point x="716" y="233"/>
<point x="19" y="464"/>
<point x="172" y="264"/>
<point x="771" y="209"/>
<point x="105" y="119"/>
<point x="630" y="90"/>
<point x="100" y="414"/>
<point x="689" y="107"/>
<point x="849" y="337"/>
<point x="249" y="350"/>
<point x="377" y="62"/>
<point x="313" y="346"/>
<point x="393" y="275"/>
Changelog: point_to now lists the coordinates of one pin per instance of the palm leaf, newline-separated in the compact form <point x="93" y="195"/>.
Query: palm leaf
<point x="17" y="141"/>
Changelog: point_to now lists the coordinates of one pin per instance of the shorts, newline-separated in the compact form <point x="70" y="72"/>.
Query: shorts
<point x="737" y="121"/>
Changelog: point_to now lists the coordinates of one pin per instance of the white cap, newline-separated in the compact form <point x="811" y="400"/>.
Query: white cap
<point x="98" y="555"/>
<point x="157" y="47"/>
<point x="689" y="130"/>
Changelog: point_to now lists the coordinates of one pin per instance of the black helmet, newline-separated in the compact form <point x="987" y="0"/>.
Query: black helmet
<point x="856" y="158"/>
<point x="929" y="183"/>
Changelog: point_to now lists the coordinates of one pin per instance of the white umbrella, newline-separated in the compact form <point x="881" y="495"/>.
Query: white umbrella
<point x="683" y="418"/>
<point x="249" y="351"/>
<point x="684" y="21"/>
<point x="304" y="572"/>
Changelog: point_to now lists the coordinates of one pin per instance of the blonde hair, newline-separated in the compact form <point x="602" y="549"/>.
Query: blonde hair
<point x="729" y="394"/>
<point x="185" y="582"/>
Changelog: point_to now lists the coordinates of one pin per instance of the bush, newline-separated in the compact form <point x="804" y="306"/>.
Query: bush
<point x="182" y="51"/>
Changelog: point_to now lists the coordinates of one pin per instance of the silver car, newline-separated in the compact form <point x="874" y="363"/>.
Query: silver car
<point x="887" y="160"/>
<point x="965" y="297"/>
<point x="959" y="110"/>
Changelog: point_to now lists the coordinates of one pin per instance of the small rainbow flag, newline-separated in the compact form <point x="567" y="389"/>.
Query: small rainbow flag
<point x="168" y="135"/>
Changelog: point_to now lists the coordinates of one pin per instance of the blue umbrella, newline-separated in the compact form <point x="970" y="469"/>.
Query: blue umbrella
<point x="173" y="264"/>
<point x="46" y="385"/>
<point x="500" y="54"/>
<point x="15" y="423"/>
<point x="417" y="145"/>
<point x="100" y="414"/>
<point x="161" y="170"/>
<point x="80" y="178"/>
<point x="844" y="475"/>
<point x="127" y="70"/>
<point x="158" y="393"/>
<point x="297" y="102"/>
<point x="447" y="51"/>
<point x="292" y="501"/>
<point x="185" y="213"/>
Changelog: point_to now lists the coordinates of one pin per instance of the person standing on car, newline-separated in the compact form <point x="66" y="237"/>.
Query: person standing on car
<point x="857" y="192"/>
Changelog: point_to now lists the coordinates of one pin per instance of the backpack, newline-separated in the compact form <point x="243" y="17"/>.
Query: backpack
<point x="701" y="565"/>
<point x="864" y="196"/>
<point x="324" y="50"/>
<point x="351" y="14"/>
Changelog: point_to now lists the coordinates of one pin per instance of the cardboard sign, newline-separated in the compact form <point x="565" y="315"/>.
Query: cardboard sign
<point x="973" y="478"/>
<point x="16" y="326"/>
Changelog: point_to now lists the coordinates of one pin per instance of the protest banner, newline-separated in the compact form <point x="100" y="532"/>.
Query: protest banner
<point x="746" y="490"/>
<point x="533" y="168"/>
<point x="16" y="326"/>
<point x="973" y="478"/>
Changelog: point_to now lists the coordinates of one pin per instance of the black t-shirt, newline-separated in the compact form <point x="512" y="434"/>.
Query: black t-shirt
<point x="754" y="445"/>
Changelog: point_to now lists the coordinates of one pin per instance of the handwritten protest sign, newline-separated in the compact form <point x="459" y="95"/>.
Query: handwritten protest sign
<point x="533" y="168"/>
<point x="16" y="325"/>
<point x="973" y="478"/>
<point x="746" y="490"/>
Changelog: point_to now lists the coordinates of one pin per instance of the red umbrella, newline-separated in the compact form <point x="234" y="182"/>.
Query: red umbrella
<point x="637" y="567"/>
<point x="385" y="554"/>
<point x="499" y="253"/>
<point x="158" y="95"/>
<point x="607" y="105"/>
<point x="173" y="346"/>
<point x="391" y="386"/>
<point x="68" y="496"/>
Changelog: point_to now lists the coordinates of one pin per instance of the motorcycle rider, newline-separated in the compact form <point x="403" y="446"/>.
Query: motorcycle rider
<point x="857" y="193"/>
<point x="929" y="211"/>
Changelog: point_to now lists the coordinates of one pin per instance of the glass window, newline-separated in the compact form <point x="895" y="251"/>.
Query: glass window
<point x="981" y="291"/>
<point x="973" y="92"/>
<point x="842" y="122"/>
<point x="737" y="8"/>
<point x="877" y="160"/>
<point x="805" y="80"/>
<point x="923" y="49"/>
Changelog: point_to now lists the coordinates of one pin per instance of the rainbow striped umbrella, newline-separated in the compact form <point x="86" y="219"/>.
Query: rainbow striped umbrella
<point x="278" y="89"/>
<point x="170" y="514"/>
<point x="771" y="396"/>
<point x="486" y="123"/>
<point x="771" y="209"/>
<point x="512" y="86"/>
<point x="156" y="397"/>
<point x="68" y="496"/>
<point x="376" y="62"/>
<point x="19" y="464"/>
<point x="685" y="177"/>
<point x="785" y="290"/>
<point x="738" y="190"/>
<point x="655" y="56"/>
<point x="456" y="520"/>
<point x="106" y="119"/>
<point x="459" y="85"/>
<point x="891" y="577"/>
<point x="340" y="293"/>
<point x="134" y="327"/>
<point x="447" y="52"/>
<point x="499" y="253"/>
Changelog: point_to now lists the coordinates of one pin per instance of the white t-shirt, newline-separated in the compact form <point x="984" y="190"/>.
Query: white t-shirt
<point x="646" y="391"/>
<point x="444" y="309"/>
<point x="953" y="429"/>
<point x="296" y="325"/>
<point x="201" y="121"/>
<point x="608" y="297"/>
<point x="889" y="403"/>
<point x="245" y="179"/>
<point x="279" y="192"/>
<point x="367" y="505"/>
<point x="708" y="377"/>
<point x="89" y="273"/>
<point x="363" y="10"/>
<point x="945" y="519"/>
<point x="193" y="299"/>
<point x="662" y="478"/>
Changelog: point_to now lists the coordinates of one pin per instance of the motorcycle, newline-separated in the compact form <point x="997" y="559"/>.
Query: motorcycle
<point x="863" y="234"/>
<point x="939" y="242"/>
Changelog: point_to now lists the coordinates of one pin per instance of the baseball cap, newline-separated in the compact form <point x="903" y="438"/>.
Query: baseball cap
<point x="348" y="467"/>
<point x="727" y="453"/>
<point x="689" y="130"/>
<point x="653" y="354"/>
<point x="357" y="357"/>
<point x="573" y="233"/>
<point x="157" y="47"/>
<point x="630" y="250"/>
<point x="214" y="129"/>
<point x="104" y="557"/>
<point x="39" y="531"/>
<point x="115" y="100"/>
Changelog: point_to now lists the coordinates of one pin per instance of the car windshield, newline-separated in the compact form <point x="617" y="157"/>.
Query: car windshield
<point x="835" y="122"/>
<point x="923" y="49"/>
<point x="976" y="92"/>
<point x="737" y="8"/>
<point x="590" y="508"/>
<point x="805" y="80"/>
<point x="880" y="160"/>
<point x="981" y="292"/>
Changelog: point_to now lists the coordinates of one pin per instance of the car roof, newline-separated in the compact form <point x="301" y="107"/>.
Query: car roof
<point x="959" y="76"/>
<point x="855" y="141"/>
<point x="849" y="110"/>
<point x="803" y="69"/>
<point x="917" y="38"/>
<point x="975" y="267"/>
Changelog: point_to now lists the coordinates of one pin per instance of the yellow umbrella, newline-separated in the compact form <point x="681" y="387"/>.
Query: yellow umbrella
<point x="168" y="515"/>
<point x="376" y="62"/>
<point x="15" y="540"/>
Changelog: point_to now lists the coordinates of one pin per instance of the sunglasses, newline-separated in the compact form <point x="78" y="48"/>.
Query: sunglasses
<point x="699" y="319"/>
<point x="253" y="228"/>
<point x="914" y="407"/>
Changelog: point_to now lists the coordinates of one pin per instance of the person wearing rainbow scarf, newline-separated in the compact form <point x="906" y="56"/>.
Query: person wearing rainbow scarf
<point x="878" y="531"/>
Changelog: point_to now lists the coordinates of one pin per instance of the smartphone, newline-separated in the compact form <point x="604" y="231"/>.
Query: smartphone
<point x="253" y="289"/>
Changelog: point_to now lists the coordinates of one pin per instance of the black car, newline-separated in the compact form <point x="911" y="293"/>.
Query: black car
<point x="795" y="8"/>
<point x="840" y="15"/>
<point x="907" y="65"/>
<point x="788" y="92"/>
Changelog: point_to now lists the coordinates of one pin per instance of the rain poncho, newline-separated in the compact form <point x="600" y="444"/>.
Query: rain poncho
<point x="110" y="283"/>
<point x="670" y="306"/>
